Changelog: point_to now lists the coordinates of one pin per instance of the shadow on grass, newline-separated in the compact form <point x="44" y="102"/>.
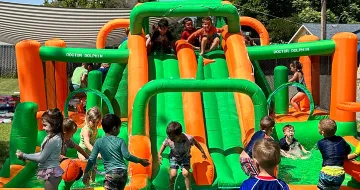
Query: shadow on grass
<point x="4" y="153"/>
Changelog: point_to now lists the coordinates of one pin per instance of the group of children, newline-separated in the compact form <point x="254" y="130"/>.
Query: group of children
<point x="259" y="159"/>
<point x="205" y="39"/>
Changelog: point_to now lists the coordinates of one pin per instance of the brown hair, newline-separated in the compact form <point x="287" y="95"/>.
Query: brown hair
<point x="93" y="114"/>
<point x="267" y="153"/>
<point x="328" y="126"/>
<point x="127" y="30"/>
<point x="266" y="122"/>
<point x="69" y="125"/>
<point x="55" y="118"/>
<point x="174" y="128"/>
<point x="287" y="127"/>
<point x="207" y="19"/>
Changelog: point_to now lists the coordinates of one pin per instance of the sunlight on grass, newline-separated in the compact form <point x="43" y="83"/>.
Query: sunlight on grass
<point x="4" y="142"/>
<point x="8" y="86"/>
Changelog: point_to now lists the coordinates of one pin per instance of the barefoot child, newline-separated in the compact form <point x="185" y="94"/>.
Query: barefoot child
<point x="48" y="157"/>
<point x="290" y="147"/>
<point x="334" y="151"/>
<point x="113" y="150"/>
<point x="266" y="155"/>
<point x="69" y="128"/>
<point x="88" y="133"/>
<point x="266" y="125"/>
<point x="180" y="144"/>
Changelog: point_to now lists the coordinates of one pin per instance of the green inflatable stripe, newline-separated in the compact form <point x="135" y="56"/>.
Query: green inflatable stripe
<point x="98" y="93"/>
<point x="191" y="85"/>
<point x="24" y="131"/>
<point x="5" y="170"/>
<point x="282" y="96"/>
<point x="302" y="87"/>
<point x="94" y="82"/>
<point x="23" y="176"/>
<point x="260" y="79"/>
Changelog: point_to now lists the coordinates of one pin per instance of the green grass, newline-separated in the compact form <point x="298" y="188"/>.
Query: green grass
<point x="8" y="86"/>
<point x="4" y="142"/>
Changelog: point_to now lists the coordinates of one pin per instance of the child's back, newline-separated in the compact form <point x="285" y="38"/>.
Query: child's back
<point x="263" y="183"/>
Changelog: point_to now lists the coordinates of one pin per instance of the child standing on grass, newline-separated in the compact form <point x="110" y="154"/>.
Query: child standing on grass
<point x="334" y="150"/>
<point x="266" y="155"/>
<point x="89" y="132"/>
<point x="247" y="164"/>
<point x="180" y="144"/>
<point x="48" y="157"/>
<point x="113" y="151"/>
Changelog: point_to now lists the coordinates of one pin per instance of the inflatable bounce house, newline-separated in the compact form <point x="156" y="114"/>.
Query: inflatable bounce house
<point x="219" y="99"/>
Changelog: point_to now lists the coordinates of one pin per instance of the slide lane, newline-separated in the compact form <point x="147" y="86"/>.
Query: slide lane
<point x="222" y="127"/>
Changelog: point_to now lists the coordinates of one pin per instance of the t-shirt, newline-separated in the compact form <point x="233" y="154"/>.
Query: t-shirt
<point x="113" y="150"/>
<point x="93" y="134"/>
<point x="77" y="74"/>
<point x="211" y="34"/>
<point x="67" y="144"/>
<point x="285" y="146"/>
<point x="334" y="150"/>
<point x="180" y="149"/>
<point x="161" y="43"/>
<point x="258" y="135"/>
<point x="185" y="35"/>
<point x="264" y="183"/>
<point x="48" y="157"/>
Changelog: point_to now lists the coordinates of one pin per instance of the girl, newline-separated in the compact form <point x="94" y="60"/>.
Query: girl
<point x="89" y="132"/>
<point x="296" y="68"/>
<point x="48" y="157"/>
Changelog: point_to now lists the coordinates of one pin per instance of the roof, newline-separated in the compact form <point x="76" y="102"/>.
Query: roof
<point x="77" y="27"/>
<point x="331" y="30"/>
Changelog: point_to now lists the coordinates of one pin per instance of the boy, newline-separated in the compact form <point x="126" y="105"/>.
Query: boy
<point x="180" y="144"/>
<point x="290" y="147"/>
<point x="161" y="40"/>
<point x="334" y="151"/>
<point x="266" y="155"/>
<point x="208" y="36"/>
<point x="113" y="150"/>
<point x="78" y="78"/>
<point x="266" y="125"/>
<point x="104" y="68"/>
<point x="189" y="29"/>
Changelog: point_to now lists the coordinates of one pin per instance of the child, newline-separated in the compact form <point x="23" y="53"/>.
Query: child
<point x="290" y="147"/>
<point x="48" y="157"/>
<point x="266" y="155"/>
<point x="334" y="151"/>
<point x="161" y="40"/>
<point x="355" y="154"/>
<point x="208" y="36"/>
<point x="189" y="29"/>
<point x="104" y="68"/>
<point x="180" y="144"/>
<point x="266" y="125"/>
<point x="69" y="128"/>
<point x="296" y="68"/>
<point x="89" y="132"/>
<point x="113" y="151"/>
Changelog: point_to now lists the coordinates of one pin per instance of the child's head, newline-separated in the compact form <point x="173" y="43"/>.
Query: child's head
<point x="296" y="66"/>
<point x="267" y="124"/>
<point x="266" y="152"/>
<point x="327" y="127"/>
<point x="174" y="130"/>
<point x="206" y="23"/>
<point x="93" y="117"/>
<point x="289" y="131"/>
<point x="163" y="26"/>
<point x="52" y="121"/>
<point x="69" y="128"/>
<point x="188" y="23"/>
<point x="106" y="65"/>
<point x="111" y="124"/>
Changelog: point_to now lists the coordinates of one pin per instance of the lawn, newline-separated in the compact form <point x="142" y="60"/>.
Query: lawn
<point x="4" y="142"/>
<point x="8" y="86"/>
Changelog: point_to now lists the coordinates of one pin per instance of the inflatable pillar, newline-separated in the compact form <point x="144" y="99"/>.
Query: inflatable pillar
<point x="94" y="82"/>
<point x="343" y="75"/>
<point x="282" y="97"/>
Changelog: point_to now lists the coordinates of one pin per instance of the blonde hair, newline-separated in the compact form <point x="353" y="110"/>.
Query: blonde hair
<point x="328" y="126"/>
<point x="69" y="125"/>
<point x="267" y="153"/>
<point x="92" y="115"/>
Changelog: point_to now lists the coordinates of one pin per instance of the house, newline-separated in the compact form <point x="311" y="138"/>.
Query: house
<point x="331" y="30"/>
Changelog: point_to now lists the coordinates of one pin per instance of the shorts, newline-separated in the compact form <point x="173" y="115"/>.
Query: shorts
<point x="75" y="86"/>
<point x="330" y="182"/>
<point x="248" y="166"/>
<point x="115" y="180"/>
<point x="176" y="164"/>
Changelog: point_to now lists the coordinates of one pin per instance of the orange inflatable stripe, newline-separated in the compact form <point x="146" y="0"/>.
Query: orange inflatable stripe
<point x="50" y="84"/>
<point x="351" y="140"/>
<point x="349" y="106"/>
<point x="107" y="28"/>
<point x="258" y="27"/>
<point x="14" y="170"/>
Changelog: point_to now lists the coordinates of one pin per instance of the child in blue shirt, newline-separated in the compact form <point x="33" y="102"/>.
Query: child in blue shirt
<point x="113" y="150"/>
<point x="266" y="156"/>
<point x="334" y="151"/>
<point x="267" y="126"/>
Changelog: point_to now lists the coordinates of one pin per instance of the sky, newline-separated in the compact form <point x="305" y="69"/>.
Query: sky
<point x="33" y="2"/>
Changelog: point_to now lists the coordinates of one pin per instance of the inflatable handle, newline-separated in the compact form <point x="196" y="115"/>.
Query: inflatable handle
<point x="106" y="99"/>
<point x="349" y="106"/>
<point x="302" y="87"/>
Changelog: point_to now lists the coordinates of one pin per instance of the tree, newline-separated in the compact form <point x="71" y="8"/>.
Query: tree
<point x="282" y="29"/>
<point x="93" y="3"/>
